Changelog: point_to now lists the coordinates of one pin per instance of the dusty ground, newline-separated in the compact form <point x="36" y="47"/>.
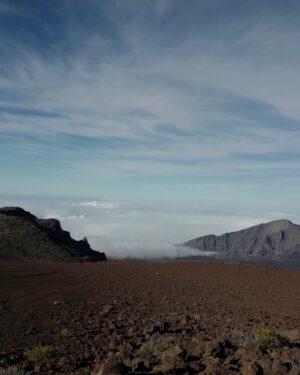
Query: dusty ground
<point x="142" y="317"/>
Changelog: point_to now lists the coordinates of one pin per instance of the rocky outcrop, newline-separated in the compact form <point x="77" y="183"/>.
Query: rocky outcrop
<point x="279" y="238"/>
<point x="24" y="237"/>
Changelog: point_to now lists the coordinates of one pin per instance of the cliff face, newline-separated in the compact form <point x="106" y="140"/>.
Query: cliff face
<point x="279" y="238"/>
<point x="25" y="237"/>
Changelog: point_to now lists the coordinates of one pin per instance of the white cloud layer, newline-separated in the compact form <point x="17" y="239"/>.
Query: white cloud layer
<point x="73" y="217"/>
<point x="144" y="231"/>
<point x="107" y="204"/>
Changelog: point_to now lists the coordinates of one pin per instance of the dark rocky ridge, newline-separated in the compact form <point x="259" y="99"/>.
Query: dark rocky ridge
<point x="280" y="238"/>
<point x="25" y="237"/>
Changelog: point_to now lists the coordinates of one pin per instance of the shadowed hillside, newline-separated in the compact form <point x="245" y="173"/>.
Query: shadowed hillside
<point x="25" y="237"/>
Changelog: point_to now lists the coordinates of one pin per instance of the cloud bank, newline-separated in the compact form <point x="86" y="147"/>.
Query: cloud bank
<point x="131" y="230"/>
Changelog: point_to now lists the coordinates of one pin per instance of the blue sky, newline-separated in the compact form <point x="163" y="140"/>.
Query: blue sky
<point x="163" y="104"/>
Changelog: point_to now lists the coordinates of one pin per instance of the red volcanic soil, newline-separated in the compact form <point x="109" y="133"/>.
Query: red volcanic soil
<point x="148" y="317"/>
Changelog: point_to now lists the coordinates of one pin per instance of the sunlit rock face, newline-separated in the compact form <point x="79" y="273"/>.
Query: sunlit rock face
<point x="280" y="238"/>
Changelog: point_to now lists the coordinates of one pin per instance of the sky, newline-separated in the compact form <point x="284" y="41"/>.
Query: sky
<point x="144" y="123"/>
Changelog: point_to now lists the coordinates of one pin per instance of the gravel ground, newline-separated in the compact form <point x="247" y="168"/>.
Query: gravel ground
<point x="148" y="317"/>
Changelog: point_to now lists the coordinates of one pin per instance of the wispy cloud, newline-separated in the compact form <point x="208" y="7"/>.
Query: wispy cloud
<point x="73" y="217"/>
<point x="161" y="101"/>
<point x="227" y="85"/>
<point x="96" y="204"/>
<point x="8" y="9"/>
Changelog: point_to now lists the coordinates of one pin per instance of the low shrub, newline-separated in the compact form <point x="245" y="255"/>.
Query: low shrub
<point x="67" y="332"/>
<point x="40" y="353"/>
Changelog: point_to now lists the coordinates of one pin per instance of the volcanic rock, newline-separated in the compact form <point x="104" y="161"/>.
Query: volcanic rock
<point x="280" y="238"/>
<point x="25" y="237"/>
<point x="293" y="335"/>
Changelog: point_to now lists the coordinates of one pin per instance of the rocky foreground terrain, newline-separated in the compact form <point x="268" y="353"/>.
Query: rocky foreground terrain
<point x="277" y="239"/>
<point x="25" y="237"/>
<point x="148" y="318"/>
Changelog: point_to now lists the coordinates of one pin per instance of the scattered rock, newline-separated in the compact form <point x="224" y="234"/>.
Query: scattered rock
<point x="278" y="368"/>
<point x="112" y="365"/>
<point x="293" y="335"/>
<point x="116" y="335"/>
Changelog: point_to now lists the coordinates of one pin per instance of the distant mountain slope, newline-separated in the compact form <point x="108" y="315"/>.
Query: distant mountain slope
<point x="279" y="238"/>
<point x="24" y="237"/>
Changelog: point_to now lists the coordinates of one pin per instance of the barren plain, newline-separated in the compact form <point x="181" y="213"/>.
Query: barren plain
<point x="148" y="317"/>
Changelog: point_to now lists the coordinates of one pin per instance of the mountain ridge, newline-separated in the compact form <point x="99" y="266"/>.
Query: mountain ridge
<point x="25" y="237"/>
<point x="278" y="238"/>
